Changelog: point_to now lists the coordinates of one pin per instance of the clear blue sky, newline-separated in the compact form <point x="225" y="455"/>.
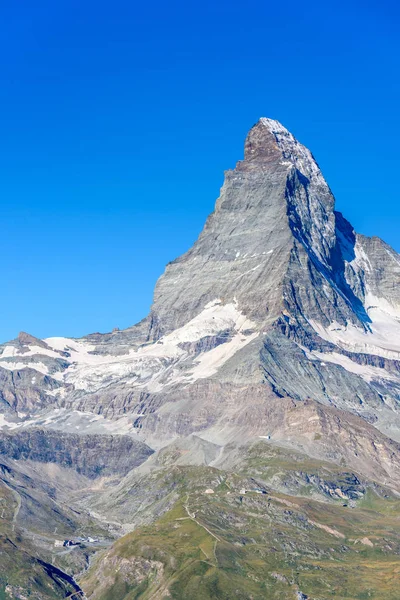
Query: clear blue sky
<point x="118" y="119"/>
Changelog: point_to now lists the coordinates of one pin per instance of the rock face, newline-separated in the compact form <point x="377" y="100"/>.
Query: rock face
<point x="90" y="455"/>
<point x="273" y="198"/>
<point x="278" y="294"/>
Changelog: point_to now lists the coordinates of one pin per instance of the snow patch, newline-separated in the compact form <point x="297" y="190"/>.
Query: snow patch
<point x="367" y="372"/>
<point x="210" y="362"/>
<point x="383" y="339"/>
<point x="4" y="424"/>
<point x="19" y="366"/>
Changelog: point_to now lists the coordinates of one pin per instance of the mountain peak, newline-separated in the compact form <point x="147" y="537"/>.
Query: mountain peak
<point x="273" y="125"/>
<point x="261" y="141"/>
<point x="26" y="339"/>
<point x="268" y="141"/>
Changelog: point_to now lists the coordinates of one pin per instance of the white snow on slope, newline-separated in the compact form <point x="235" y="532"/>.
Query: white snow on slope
<point x="18" y="366"/>
<point x="6" y="424"/>
<point x="213" y="318"/>
<point x="210" y="362"/>
<point x="70" y="420"/>
<point x="13" y="351"/>
<point x="155" y="365"/>
<point x="80" y="351"/>
<point x="366" y="372"/>
<point x="383" y="339"/>
<point x="150" y="366"/>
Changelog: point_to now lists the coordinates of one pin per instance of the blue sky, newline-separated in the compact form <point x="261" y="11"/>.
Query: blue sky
<point x="119" y="118"/>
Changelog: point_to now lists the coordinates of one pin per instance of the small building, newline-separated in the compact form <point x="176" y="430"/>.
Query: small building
<point x="69" y="543"/>
<point x="208" y="491"/>
<point x="58" y="543"/>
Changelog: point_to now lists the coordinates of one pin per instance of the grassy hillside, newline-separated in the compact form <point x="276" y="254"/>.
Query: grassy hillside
<point x="23" y="574"/>
<point x="330" y="536"/>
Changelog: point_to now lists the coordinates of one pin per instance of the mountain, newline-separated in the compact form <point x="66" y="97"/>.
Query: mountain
<point x="277" y="332"/>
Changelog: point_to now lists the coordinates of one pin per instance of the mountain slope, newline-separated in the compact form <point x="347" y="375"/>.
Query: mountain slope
<point x="271" y="524"/>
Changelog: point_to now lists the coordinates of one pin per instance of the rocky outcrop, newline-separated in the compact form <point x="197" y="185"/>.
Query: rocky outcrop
<point x="26" y="390"/>
<point x="90" y="455"/>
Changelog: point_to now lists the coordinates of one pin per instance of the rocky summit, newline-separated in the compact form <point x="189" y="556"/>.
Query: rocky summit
<point x="243" y="439"/>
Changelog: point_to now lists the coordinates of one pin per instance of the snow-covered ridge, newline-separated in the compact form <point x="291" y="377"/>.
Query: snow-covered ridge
<point x="156" y="365"/>
<point x="72" y="421"/>
<point x="13" y="351"/>
<point x="152" y="366"/>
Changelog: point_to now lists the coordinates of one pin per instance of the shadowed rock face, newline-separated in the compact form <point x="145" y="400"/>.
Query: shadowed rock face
<point x="90" y="455"/>
<point x="241" y="252"/>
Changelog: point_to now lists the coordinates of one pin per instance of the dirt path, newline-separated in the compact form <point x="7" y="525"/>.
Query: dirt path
<point x="192" y="516"/>
<point x="17" y="498"/>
